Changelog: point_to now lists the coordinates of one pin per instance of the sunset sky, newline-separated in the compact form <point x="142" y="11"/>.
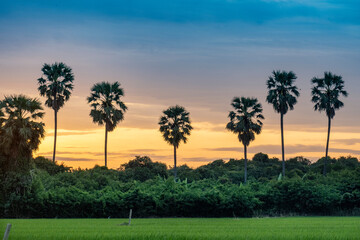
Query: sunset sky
<point x="198" y="54"/>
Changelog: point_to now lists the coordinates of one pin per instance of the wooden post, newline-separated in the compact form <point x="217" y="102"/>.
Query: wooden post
<point x="7" y="232"/>
<point x="130" y="216"/>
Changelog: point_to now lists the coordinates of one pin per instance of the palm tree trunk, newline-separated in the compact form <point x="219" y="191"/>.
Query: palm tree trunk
<point x="55" y="135"/>
<point x="245" y="156"/>
<point x="175" y="173"/>
<point x="106" y="136"/>
<point x="282" y="144"/>
<point x="327" y="145"/>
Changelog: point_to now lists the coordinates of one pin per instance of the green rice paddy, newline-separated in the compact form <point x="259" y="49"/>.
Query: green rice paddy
<point x="186" y="228"/>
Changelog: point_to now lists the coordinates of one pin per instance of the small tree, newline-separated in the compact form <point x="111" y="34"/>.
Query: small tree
<point x="245" y="121"/>
<point x="107" y="107"/>
<point x="175" y="125"/>
<point x="325" y="94"/>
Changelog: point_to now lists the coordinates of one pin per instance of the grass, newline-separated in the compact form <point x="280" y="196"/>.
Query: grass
<point x="186" y="228"/>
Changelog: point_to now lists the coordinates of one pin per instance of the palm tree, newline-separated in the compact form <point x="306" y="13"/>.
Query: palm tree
<point x="175" y="125"/>
<point x="325" y="94"/>
<point x="56" y="85"/>
<point x="107" y="107"/>
<point x="282" y="95"/>
<point x="245" y="122"/>
<point x="20" y="132"/>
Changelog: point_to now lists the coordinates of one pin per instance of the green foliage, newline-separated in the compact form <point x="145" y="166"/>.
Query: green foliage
<point x="142" y="169"/>
<point x="49" y="166"/>
<point x="212" y="190"/>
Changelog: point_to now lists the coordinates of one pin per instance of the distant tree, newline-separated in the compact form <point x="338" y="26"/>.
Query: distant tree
<point x="282" y="95"/>
<point x="245" y="121"/>
<point x="325" y="94"/>
<point x="20" y="131"/>
<point x="143" y="168"/>
<point x="107" y="107"/>
<point x="175" y="126"/>
<point x="56" y="85"/>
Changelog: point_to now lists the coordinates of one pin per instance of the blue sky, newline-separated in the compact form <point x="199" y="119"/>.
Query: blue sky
<point x="196" y="53"/>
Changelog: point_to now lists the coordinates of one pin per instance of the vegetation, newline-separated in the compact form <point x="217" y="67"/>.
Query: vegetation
<point x="289" y="228"/>
<point x="325" y="94"/>
<point x="56" y="85"/>
<point x="20" y="133"/>
<point x="212" y="190"/>
<point x="245" y="122"/>
<point x="41" y="188"/>
<point x="107" y="107"/>
<point x="282" y="95"/>
<point x="175" y="126"/>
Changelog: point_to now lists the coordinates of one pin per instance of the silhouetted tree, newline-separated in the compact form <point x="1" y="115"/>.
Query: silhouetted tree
<point x="20" y="131"/>
<point x="56" y="85"/>
<point x="245" y="121"/>
<point x="175" y="125"/>
<point x="107" y="107"/>
<point x="325" y="94"/>
<point x="282" y="95"/>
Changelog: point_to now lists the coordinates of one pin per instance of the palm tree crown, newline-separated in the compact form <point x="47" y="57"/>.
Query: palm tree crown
<point x="326" y="92"/>
<point x="20" y="133"/>
<point x="175" y="125"/>
<point x="282" y="93"/>
<point x="107" y="107"/>
<point x="57" y="84"/>
<point x="245" y="121"/>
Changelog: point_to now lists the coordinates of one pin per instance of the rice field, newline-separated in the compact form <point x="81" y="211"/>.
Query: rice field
<point x="186" y="228"/>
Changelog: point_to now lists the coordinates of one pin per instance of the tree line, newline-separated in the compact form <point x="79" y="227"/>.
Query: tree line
<point x="48" y="190"/>
<point x="21" y="130"/>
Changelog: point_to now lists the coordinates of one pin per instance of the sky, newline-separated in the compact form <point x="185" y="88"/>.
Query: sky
<point x="198" y="54"/>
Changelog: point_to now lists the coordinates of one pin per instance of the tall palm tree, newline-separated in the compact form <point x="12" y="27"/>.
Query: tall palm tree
<point x="56" y="85"/>
<point x="107" y="107"/>
<point x="325" y="94"/>
<point x="175" y="126"/>
<point x="20" y="131"/>
<point x="245" y="121"/>
<point x="282" y="95"/>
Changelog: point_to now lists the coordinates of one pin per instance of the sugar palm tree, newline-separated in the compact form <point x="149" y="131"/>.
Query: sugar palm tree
<point x="175" y="126"/>
<point x="107" y="107"/>
<point x="245" y="121"/>
<point x="325" y="94"/>
<point x="282" y="95"/>
<point x="56" y="85"/>
<point x="20" y="131"/>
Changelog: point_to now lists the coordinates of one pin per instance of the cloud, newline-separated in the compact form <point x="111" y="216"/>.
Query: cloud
<point x="347" y="141"/>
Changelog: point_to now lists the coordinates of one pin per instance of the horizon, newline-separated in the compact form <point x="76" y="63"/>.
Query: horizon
<point x="198" y="55"/>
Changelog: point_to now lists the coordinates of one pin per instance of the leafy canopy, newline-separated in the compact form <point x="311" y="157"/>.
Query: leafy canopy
<point x="107" y="107"/>
<point x="326" y="92"/>
<point x="20" y="131"/>
<point x="175" y="125"/>
<point x="56" y="84"/>
<point x="245" y="121"/>
<point x="282" y="93"/>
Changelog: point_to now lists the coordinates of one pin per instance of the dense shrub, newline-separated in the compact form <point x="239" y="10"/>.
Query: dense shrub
<point x="213" y="190"/>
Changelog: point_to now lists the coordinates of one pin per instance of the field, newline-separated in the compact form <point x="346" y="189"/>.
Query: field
<point x="186" y="228"/>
